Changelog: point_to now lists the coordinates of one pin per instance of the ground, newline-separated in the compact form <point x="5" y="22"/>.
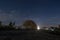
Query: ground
<point x="27" y="35"/>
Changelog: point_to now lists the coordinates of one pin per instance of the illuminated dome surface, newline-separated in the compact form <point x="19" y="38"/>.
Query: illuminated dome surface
<point x="29" y="24"/>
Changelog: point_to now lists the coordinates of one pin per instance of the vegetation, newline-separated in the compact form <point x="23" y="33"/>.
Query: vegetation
<point x="53" y="30"/>
<point x="7" y="27"/>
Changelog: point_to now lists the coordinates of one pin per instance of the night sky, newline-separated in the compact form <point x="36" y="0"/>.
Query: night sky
<point x="43" y="12"/>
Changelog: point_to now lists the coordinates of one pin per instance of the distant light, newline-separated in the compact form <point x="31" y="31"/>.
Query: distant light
<point x="38" y="28"/>
<point x="46" y="28"/>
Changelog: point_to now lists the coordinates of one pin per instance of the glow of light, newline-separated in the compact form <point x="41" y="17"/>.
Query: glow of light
<point x="38" y="28"/>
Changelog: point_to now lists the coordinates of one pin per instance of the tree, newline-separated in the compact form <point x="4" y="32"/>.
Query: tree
<point x="0" y="23"/>
<point x="11" y="25"/>
<point x="1" y="27"/>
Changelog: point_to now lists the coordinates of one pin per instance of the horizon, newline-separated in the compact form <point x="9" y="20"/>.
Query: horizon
<point x="42" y="12"/>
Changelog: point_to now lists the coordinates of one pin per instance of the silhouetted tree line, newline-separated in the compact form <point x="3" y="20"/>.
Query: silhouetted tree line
<point x="10" y="26"/>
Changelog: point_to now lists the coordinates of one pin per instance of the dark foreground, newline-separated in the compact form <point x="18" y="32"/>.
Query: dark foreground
<point x="27" y="35"/>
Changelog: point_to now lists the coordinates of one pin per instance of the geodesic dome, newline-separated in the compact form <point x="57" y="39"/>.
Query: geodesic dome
<point x="29" y="24"/>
